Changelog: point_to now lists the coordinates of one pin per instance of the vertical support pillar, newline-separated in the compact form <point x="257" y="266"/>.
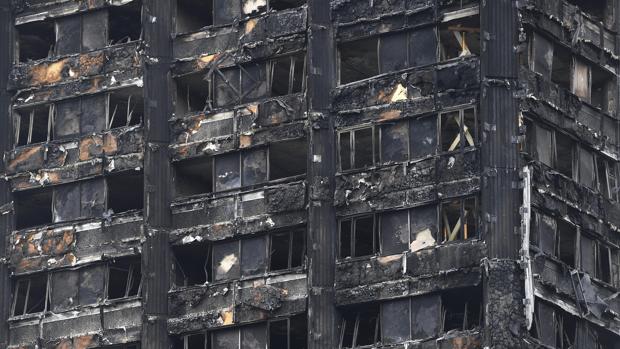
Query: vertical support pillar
<point x="6" y="213"/>
<point x="322" y="315"/>
<point x="157" y="23"/>
<point x="503" y="283"/>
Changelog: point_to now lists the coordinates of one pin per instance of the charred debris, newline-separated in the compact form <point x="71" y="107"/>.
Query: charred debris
<point x="325" y="174"/>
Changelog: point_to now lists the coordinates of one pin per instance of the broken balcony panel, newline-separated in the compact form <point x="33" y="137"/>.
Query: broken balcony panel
<point x="67" y="118"/>
<point x="254" y="256"/>
<point x="226" y="261"/>
<point x="394" y="142"/>
<point x="253" y="81"/>
<point x="95" y="30"/>
<point x="254" y="164"/>
<point x="227" y="171"/>
<point x="227" y="86"/>
<point x="68" y="35"/>
<point x="541" y="55"/>
<point x="394" y="232"/>
<point x="581" y="80"/>
<point x="425" y="316"/>
<point x="423" y="47"/>
<point x="423" y="136"/>
<point x="395" y="321"/>
<point x="254" y="336"/>
<point x="586" y="168"/>
<point x="92" y="283"/>
<point x="392" y="52"/>
<point x="65" y="290"/>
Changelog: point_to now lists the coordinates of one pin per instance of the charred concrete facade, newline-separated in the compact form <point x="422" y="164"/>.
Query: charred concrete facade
<point x="292" y="174"/>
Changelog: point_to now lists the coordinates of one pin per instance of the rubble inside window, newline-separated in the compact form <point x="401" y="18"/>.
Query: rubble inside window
<point x="30" y="295"/>
<point x="35" y="40"/>
<point x="460" y="35"/>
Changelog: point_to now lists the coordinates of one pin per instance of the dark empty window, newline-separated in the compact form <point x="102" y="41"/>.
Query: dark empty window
<point x="462" y="309"/>
<point x="459" y="219"/>
<point x="193" y="15"/>
<point x="360" y="327"/>
<point x="564" y="154"/>
<point x="566" y="243"/>
<point x="288" y="159"/>
<point x="125" y="191"/>
<point x="33" y="207"/>
<point x="287" y="250"/>
<point x="423" y="136"/>
<point x="192" y="264"/>
<point x="460" y="38"/>
<point x="35" y="40"/>
<point x="603" y="90"/>
<point x="33" y="124"/>
<point x="561" y="67"/>
<point x="358" y="60"/>
<point x="604" y="263"/>
<point x="124" y="279"/>
<point x="358" y="237"/>
<point x="279" y="5"/>
<point x="227" y="171"/>
<point x="193" y="176"/>
<point x="606" y="173"/>
<point x="125" y="108"/>
<point x="30" y="295"/>
<point x="124" y="22"/>
<point x="193" y="94"/>
<point x="594" y="8"/>
<point x="394" y="142"/>
<point x="587" y="168"/>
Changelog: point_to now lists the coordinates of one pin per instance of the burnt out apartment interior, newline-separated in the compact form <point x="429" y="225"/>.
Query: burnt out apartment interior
<point x="309" y="174"/>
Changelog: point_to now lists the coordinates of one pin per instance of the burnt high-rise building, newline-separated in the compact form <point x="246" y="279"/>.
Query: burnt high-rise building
<point x="309" y="174"/>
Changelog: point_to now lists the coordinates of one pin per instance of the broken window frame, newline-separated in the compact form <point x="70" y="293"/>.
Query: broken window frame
<point x="352" y="238"/>
<point x="464" y="139"/>
<point x="16" y="287"/>
<point x="18" y="118"/>
<point x="358" y="315"/>
<point x="451" y="234"/>
<point x="111" y="112"/>
<point x="293" y="236"/>
<point x="293" y="58"/>
<point x="603" y="262"/>
<point x="607" y="185"/>
<point x="129" y="283"/>
<point x="352" y="146"/>
<point x="559" y="317"/>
